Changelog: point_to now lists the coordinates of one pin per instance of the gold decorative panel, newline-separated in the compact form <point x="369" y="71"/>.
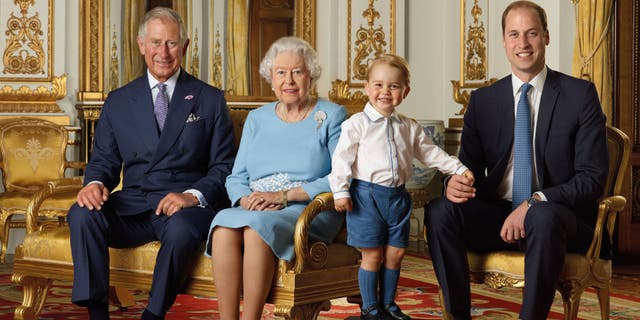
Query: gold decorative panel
<point x="373" y="35"/>
<point x="27" y="40"/>
<point x="473" y="55"/>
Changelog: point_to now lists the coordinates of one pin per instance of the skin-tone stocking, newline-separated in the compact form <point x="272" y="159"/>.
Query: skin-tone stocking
<point x="227" y="270"/>
<point x="259" y="267"/>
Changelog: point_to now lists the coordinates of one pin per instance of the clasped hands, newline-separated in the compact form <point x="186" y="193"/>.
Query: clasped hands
<point x="262" y="201"/>
<point x="460" y="189"/>
<point x="94" y="195"/>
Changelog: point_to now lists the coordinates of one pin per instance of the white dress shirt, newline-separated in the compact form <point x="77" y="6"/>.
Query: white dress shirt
<point x="535" y="93"/>
<point x="380" y="150"/>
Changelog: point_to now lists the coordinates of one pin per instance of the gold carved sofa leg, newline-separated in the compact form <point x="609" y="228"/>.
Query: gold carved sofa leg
<point x="302" y="312"/>
<point x="34" y="294"/>
<point x="571" y="292"/>
<point x="121" y="297"/>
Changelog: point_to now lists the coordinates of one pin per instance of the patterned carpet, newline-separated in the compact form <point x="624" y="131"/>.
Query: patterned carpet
<point x="417" y="296"/>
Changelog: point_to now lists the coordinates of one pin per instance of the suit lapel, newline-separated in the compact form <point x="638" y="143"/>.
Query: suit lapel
<point x="547" y="105"/>
<point x="142" y="112"/>
<point x="181" y="105"/>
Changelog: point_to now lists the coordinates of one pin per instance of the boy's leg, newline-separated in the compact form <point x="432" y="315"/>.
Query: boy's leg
<point x="368" y="277"/>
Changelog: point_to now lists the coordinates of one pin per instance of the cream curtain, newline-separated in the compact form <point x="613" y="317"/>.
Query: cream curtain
<point x="592" y="48"/>
<point x="237" y="48"/>
<point x="133" y="63"/>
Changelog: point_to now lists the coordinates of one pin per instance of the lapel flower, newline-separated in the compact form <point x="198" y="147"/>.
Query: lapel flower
<point x="189" y="97"/>
<point x="319" y="117"/>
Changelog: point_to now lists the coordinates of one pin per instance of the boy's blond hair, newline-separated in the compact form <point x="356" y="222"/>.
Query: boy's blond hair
<point x="393" y="61"/>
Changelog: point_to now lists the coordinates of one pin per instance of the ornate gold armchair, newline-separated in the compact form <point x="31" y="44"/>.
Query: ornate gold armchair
<point x="506" y="268"/>
<point x="32" y="152"/>
<point x="300" y="290"/>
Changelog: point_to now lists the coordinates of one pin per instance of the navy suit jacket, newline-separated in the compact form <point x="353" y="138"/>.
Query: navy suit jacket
<point x="194" y="151"/>
<point x="570" y="142"/>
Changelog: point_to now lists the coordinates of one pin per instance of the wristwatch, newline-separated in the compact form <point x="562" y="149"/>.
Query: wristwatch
<point x="531" y="201"/>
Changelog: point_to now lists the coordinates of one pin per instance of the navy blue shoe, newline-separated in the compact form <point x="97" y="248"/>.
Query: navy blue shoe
<point x="374" y="313"/>
<point x="394" y="312"/>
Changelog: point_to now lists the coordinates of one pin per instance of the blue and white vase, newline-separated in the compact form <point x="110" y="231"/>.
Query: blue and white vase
<point x="422" y="175"/>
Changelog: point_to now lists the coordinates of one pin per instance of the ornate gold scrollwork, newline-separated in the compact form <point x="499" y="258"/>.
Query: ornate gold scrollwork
<point x="216" y="68"/>
<point x="40" y="99"/>
<point x="476" y="58"/>
<point x="497" y="280"/>
<point x="195" y="57"/>
<point x="114" y="66"/>
<point x="370" y="42"/>
<point x="24" y="53"/>
<point x="340" y="93"/>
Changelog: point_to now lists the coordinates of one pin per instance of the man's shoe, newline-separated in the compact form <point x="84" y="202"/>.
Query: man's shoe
<point x="394" y="312"/>
<point x="148" y="315"/>
<point x="373" y="313"/>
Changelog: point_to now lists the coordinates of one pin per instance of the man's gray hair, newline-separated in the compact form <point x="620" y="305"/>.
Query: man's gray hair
<point x="293" y="45"/>
<point x="162" y="13"/>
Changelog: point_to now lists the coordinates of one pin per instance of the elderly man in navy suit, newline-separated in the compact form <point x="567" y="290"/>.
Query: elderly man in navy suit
<point x="536" y="142"/>
<point x="171" y="136"/>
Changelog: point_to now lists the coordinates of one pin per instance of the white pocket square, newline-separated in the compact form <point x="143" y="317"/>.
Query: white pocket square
<point x="192" y="118"/>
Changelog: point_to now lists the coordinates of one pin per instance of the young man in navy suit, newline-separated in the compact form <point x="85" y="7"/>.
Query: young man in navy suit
<point x="169" y="134"/>
<point x="565" y="172"/>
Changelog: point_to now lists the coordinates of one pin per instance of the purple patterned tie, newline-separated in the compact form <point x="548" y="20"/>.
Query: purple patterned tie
<point x="161" y="107"/>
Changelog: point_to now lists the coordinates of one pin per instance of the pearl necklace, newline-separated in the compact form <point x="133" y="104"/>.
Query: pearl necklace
<point x="284" y="114"/>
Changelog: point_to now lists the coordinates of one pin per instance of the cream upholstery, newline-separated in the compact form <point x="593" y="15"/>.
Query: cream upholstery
<point x="301" y="288"/>
<point x="32" y="152"/>
<point x="506" y="268"/>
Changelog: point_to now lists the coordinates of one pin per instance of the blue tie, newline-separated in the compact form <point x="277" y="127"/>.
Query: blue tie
<point x="161" y="107"/>
<point x="522" y="150"/>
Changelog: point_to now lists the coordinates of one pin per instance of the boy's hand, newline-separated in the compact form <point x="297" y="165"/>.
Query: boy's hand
<point x="343" y="205"/>
<point x="467" y="173"/>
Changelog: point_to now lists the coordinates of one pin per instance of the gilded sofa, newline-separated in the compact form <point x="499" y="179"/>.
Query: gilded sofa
<point x="301" y="288"/>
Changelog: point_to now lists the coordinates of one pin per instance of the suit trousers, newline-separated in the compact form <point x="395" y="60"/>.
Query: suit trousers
<point x="93" y="232"/>
<point x="551" y="230"/>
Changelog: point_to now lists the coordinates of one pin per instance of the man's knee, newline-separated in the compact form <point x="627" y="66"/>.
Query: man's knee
<point x="80" y="216"/>
<point x="438" y="212"/>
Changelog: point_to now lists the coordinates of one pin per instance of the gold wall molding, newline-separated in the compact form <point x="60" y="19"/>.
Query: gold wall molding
<point x="305" y="20"/>
<point x="369" y="41"/>
<point x="473" y="60"/>
<point x="91" y="78"/>
<point x="27" y="49"/>
<point x="216" y="62"/>
<point x="476" y="47"/>
<point x="114" y="64"/>
<point x="39" y="99"/>
<point x="341" y="94"/>
<point x="195" y="57"/>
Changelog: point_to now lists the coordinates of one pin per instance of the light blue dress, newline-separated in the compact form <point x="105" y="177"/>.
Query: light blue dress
<point x="275" y="155"/>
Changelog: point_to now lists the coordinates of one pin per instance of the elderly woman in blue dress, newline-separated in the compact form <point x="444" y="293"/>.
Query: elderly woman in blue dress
<point x="283" y="161"/>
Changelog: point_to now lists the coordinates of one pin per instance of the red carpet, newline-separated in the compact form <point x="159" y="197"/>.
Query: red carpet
<point x="417" y="296"/>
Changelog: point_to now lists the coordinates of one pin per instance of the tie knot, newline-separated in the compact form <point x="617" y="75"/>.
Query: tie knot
<point x="161" y="86"/>
<point x="525" y="88"/>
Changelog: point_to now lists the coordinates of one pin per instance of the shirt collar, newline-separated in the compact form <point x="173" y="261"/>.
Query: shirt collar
<point x="374" y="115"/>
<point x="537" y="82"/>
<point x="171" y="82"/>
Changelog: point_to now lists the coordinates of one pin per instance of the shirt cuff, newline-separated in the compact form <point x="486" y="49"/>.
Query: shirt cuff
<point x="341" y="195"/>
<point x="461" y="170"/>
<point x="95" y="181"/>
<point x="541" y="195"/>
<point x="202" y="201"/>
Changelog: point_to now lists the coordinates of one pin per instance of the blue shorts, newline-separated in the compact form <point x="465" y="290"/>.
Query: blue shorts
<point x="380" y="216"/>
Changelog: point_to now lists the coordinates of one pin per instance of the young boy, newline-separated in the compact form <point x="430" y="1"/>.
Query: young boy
<point x="371" y="163"/>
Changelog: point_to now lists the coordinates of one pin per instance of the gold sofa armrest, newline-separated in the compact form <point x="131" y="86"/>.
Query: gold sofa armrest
<point x="320" y="203"/>
<point x="69" y="186"/>
<point x="607" y="214"/>
<point x="75" y="164"/>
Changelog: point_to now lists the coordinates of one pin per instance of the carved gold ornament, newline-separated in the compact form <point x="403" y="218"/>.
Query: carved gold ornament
<point x="114" y="65"/>
<point x="40" y="99"/>
<point x="34" y="153"/>
<point x="25" y="52"/>
<point x="216" y="64"/>
<point x="370" y="42"/>
<point x="195" y="57"/>
<point x="476" y="57"/>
